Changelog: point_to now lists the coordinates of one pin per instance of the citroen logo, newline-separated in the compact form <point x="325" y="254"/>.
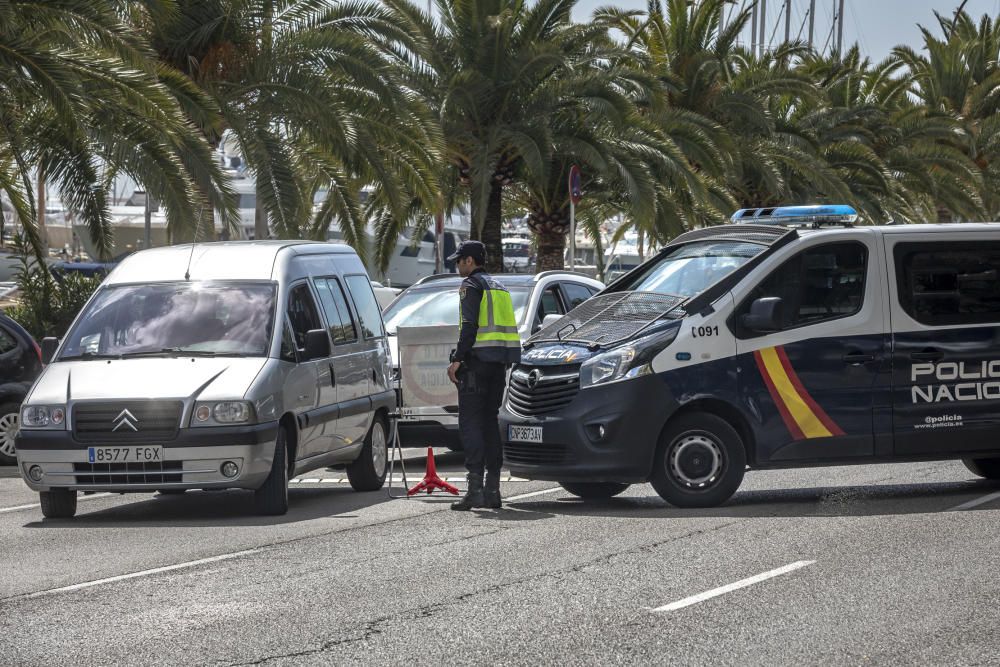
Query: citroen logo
<point x="533" y="378"/>
<point x="125" y="419"/>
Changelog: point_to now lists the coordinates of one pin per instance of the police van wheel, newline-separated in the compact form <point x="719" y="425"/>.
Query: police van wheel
<point x="58" y="503"/>
<point x="594" y="490"/>
<point x="367" y="473"/>
<point x="271" y="498"/>
<point x="987" y="468"/>
<point x="700" y="461"/>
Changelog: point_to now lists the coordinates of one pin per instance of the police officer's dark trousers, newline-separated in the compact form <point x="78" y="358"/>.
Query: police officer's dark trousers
<point x="479" y="398"/>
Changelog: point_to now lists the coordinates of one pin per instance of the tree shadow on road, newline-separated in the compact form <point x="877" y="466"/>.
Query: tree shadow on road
<point x="840" y="501"/>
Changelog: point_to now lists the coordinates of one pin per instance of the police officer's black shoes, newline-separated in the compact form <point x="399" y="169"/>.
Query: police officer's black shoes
<point x="473" y="497"/>
<point x="491" y="492"/>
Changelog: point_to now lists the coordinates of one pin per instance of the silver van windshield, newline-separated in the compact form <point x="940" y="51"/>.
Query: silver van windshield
<point x="164" y="319"/>
<point x="690" y="268"/>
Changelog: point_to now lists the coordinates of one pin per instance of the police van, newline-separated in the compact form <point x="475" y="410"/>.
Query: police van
<point x="787" y="338"/>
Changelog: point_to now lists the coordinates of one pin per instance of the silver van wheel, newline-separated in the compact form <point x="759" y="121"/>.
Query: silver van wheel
<point x="8" y="431"/>
<point x="367" y="472"/>
<point x="380" y="452"/>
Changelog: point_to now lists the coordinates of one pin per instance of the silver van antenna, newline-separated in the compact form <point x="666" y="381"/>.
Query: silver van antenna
<point x="197" y="228"/>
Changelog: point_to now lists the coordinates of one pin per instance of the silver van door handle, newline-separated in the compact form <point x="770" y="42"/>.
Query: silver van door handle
<point x="333" y="376"/>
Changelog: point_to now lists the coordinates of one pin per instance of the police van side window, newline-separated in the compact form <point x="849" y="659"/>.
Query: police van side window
<point x="823" y="283"/>
<point x="368" y="311"/>
<point x="331" y="294"/>
<point x="953" y="284"/>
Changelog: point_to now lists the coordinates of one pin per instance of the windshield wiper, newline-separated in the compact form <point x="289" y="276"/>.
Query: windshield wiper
<point x="89" y="355"/>
<point x="169" y="352"/>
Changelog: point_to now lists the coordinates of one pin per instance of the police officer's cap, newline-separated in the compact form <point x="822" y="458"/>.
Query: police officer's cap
<point x="473" y="249"/>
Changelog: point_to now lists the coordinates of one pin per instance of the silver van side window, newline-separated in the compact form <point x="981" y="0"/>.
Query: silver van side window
<point x="287" y="345"/>
<point x="368" y="310"/>
<point x="302" y="314"/>
<point x="331" y="295"/>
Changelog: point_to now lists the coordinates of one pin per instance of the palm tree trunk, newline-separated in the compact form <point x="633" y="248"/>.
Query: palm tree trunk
<point x="43" y="234"/>
<point x="551" y="250"/>
<point x="490" y="236"/>
<point x="260" y="230"/>
<point x="642" y="245"/>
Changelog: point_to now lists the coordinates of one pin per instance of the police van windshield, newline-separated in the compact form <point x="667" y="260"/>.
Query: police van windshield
<point x="436" y="306"/>
<point x="205" y="319"/>
<point x="689" y="269"/>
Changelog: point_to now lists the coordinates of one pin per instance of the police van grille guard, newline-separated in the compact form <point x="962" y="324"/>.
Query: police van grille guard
<point x="607" y="319"/>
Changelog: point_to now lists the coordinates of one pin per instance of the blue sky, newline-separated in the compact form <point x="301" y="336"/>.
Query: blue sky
<point x="877" y="25"/>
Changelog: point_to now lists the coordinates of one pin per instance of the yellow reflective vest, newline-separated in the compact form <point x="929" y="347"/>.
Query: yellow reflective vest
<point x="496" y="338"/>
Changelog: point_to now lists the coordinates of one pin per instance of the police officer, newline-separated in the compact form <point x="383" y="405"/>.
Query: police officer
<point x="488" y="343"/>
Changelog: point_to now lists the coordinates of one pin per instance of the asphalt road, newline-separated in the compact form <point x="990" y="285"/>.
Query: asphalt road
<point x="852" y="565"/>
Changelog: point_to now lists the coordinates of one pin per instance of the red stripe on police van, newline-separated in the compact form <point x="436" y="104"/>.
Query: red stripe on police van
<point x="786" y="416"/>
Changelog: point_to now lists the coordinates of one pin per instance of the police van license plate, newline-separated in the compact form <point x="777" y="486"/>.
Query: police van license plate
<point x="517" y="433"/>
<point x="152" y="454"/>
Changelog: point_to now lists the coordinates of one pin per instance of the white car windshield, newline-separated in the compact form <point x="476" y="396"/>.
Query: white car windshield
<point x="436" y="306"/>
<point x="209" y="319"/>
<point x="690" y="268"/>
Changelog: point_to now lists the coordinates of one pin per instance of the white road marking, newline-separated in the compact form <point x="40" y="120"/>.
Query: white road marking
<point x="975" y="503"/>
<point x="534" y="493"/>
<point x="143" y="573"/>
<point x="200" y="561"/>
<point x="33" y="505"/>
<point x="743" y="583"/>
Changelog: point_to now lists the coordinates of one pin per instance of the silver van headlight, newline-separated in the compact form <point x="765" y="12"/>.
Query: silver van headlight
<point x="43" y="416"/>
<point x="222" y="413"/>
<point x="626" y="362"/>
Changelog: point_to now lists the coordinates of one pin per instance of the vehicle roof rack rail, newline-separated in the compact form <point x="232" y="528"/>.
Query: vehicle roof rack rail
<point x="798" y="216"/>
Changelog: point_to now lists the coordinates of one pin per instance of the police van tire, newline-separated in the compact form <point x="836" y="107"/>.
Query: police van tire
<point x="986" y="468"/>
<point x="700" y="461"/>
<point x="58" y="503"/>
<point x="594" y="490"/>
<point x="367" y="472"/>
<point x="271" y="499"/>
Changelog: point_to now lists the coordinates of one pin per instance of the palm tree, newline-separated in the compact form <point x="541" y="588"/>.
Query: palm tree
<point x="482" y="68"/>
<point x="899" y="160"/>
<point x="312" y="103"/>
<point x="959" y="76"/>
<point x="79" y="102"/>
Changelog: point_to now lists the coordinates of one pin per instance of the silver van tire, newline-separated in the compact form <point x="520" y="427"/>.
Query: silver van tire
<point x="10" y="413"/>
<point x="986" y="468"/>
<point x="271" y="499"/>
<point x="58" y="503"/>
<point x="594" y="490"/>
<point x="367" y="472"/>
<point x="699" y="462"/>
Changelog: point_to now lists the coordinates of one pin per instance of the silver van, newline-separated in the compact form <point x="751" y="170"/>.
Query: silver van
<point x="213" y="366"/>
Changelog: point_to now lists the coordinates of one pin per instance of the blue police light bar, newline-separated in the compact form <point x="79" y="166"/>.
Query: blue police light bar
<point x="825" y="214"/>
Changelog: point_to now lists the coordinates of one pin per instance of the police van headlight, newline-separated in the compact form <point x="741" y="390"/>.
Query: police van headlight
<point x="626" y="362"/>
<point x="222" y="413"/>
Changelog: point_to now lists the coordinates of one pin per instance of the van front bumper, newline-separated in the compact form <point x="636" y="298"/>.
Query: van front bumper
<point x="632" y="414"/>
<point x="192" y="460"/>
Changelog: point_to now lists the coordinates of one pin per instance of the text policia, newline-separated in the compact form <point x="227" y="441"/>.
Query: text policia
<point x="949" y="381"/>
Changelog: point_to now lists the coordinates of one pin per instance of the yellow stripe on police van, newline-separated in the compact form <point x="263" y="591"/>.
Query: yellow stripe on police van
<point x="806" y="419"/>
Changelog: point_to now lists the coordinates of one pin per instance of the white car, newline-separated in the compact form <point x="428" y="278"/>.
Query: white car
<point x="434" y="301"/>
